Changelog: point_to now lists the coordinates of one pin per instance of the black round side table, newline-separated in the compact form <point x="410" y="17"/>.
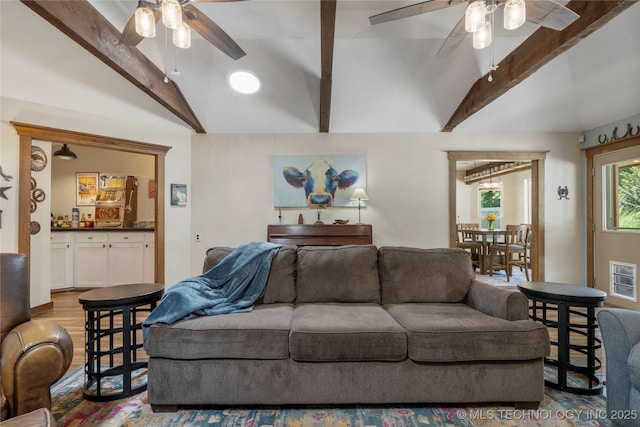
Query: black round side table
<point x="112" y="323"/>
<point x="562" y="297"/>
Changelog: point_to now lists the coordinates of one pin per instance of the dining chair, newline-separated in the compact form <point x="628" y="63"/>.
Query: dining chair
<point x="467" y="237"/>
<point x="503" y="256"/>
<point x="469" y="243"/>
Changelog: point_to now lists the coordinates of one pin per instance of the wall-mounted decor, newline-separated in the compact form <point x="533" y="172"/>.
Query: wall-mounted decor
<point x="152" y="189"/>
<point x="179" y="194"/>
<point x="563" y="193"/>
<point x="38" y="158"/>
<point x="86" y="188"/>
<point x="302" y="181"/>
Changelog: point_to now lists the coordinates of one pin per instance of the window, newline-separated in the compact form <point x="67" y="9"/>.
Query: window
<point x="490" y="203"/>
<point x="623" y="279"/>
<point x="621" y="184"/>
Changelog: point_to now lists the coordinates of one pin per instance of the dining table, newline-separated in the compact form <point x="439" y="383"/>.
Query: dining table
<point x="486" y="237"/>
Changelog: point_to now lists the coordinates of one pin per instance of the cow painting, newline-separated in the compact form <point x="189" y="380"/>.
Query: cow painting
<point x="320" y="181"/>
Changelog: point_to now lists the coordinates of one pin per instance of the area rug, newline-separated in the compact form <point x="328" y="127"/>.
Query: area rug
<point x="558" y="409"/>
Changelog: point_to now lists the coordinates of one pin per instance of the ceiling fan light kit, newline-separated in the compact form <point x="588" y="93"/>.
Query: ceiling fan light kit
<point x="145" y="21"/>
<point x="478" y="19"/>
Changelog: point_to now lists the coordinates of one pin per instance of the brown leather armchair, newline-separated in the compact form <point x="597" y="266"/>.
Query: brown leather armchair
<point x="35" y="353"/>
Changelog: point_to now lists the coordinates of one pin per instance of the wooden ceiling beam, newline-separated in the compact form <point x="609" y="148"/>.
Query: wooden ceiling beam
<point x="327" y="36"/>
<point x="86" y="26"/>
<point x="543" y="46"/>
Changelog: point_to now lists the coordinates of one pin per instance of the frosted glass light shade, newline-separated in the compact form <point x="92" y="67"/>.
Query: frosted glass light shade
<point x="182" y="36"/>
<point x="482" y="38"/>
<point x="145" y="22"/>
<point x="171" y="14"/>
<point x="475" y="16"/>
<point x="514" y="14"/>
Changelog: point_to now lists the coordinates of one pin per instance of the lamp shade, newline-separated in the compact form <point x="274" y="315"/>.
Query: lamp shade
<point x="475" y="16"/>
<point x="65" y="154"/>
<point x="514" y="14"/>
<point x="182" y="36"/>
<point x="359" y="194"/>
<point x="483" y="37"/>
<point x="171" y="14"/>
<point x="145" y="22"/>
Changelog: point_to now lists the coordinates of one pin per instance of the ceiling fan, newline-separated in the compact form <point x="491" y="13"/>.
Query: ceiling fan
<point x="547" y="13"/>
<point x="148" y="13"/>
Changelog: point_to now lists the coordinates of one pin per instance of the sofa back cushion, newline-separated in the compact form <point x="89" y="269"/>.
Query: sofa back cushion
<point x="424" y="275"/>
<point x="280" y="287"/>
<point x="338" y="274"/>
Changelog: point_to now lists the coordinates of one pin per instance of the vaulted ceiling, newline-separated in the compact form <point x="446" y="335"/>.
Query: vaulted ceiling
<point x="325" y="68"/>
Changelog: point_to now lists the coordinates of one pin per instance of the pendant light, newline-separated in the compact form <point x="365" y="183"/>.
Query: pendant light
<point x="65" y="154"/>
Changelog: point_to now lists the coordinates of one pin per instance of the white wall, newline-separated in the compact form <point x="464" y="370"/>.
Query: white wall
<point x="407" y="183"/>
<point x="178" y="220"/>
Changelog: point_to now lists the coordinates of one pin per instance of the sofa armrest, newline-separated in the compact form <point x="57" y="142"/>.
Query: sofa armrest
<point x="620" y="330"/>
<point x="35" y="354"/>
<point x="504" y="303"/>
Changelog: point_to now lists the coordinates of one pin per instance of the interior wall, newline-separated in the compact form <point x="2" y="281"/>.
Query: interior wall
<point x="177" y="170"/>
<point x="407" y="187"/>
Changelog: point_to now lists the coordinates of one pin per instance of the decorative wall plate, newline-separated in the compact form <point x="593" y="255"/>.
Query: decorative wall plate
<point x="38" y="158"/>
<point x="34" y="227"/>
<point x="38" y="195"/>
<point x="34" y="185"/>
<point x="34" y="206"/>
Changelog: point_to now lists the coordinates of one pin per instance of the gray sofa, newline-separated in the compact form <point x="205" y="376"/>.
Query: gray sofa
<point x="355" y="324"/>
<point x="620" y="330"/>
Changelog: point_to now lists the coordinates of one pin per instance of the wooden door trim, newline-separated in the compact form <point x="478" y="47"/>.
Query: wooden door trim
<point x="537" y="159"/>
<point x="590" y="225"/>
<point x="28" y="132"/>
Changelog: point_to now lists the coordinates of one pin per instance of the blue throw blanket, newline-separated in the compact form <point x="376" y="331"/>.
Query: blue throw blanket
<point x="231" y="286"/>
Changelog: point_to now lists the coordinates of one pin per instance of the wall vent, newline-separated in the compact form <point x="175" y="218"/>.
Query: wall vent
<point x="623" y="280"/>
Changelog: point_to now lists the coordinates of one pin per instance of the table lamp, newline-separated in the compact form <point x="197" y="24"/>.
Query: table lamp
<point x="359" y="195"/>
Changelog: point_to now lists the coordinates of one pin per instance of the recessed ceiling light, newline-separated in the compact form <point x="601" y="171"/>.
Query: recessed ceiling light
<point x="244" y="82"/>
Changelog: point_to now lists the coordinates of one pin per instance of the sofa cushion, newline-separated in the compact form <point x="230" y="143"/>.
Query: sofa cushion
<point x="424" y="275"/>
<point x="338" y="274"/>
<point x="455" y="332"/>
<point x="345" y="332"/>
<point x="262" y="333"/>
<point x="280" y="287"/>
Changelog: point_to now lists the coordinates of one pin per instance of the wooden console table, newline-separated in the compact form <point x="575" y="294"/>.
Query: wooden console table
<point x="320" y="235"/>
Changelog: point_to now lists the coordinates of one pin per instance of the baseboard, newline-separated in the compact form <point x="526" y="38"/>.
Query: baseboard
<point x="39" y="309"/>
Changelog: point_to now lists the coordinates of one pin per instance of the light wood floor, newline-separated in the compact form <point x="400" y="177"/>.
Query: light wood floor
<point x="69" y="313"/>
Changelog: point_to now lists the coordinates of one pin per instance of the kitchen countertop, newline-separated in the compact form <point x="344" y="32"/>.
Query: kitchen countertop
<point x="86" y="229"/>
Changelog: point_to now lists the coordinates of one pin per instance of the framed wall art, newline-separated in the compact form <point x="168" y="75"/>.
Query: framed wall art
<point x="329" y="180"/>
<point x="86" y="188"/>
<point x="179" y="194"/>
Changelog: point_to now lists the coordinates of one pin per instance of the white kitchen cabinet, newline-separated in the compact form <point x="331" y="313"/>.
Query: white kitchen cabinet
<point x="91" y="259"/>
<point x="126" y="258"/>
<point x="149" y="258"/>
<point x="61" y="276"/>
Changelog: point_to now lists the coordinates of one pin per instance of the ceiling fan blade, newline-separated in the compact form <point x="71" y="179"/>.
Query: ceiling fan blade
<point x="129" y="35"/>
<point x="414" y="9"/>
<point x="453" y="40"/>
<point x="212" y="32"/>
<point x="550" y="14"/>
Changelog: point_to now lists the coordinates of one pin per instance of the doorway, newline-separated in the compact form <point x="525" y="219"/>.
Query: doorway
<point x="28" y="133"/>
<point x="537" y="197"/>
<point x="614" y="217"/>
